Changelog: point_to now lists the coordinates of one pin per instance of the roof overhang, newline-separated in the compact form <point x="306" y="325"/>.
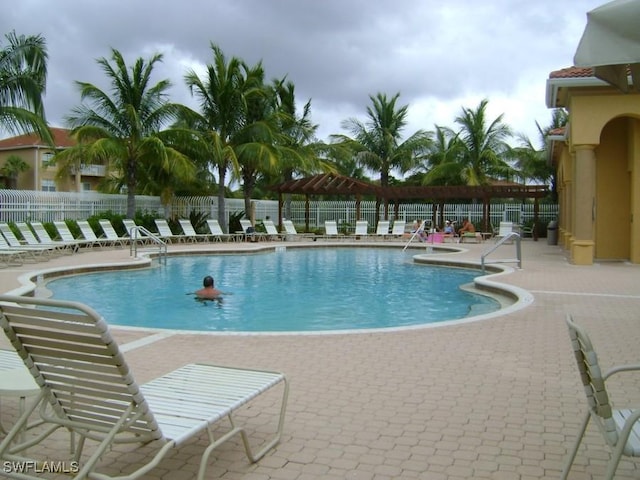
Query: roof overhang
<point x="554" y="85"/>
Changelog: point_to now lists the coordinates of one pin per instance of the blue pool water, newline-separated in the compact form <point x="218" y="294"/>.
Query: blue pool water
<point x="316" y="289"/>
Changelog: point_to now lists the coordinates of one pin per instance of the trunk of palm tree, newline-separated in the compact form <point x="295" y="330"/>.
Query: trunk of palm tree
<point x="222" y="217"/>
<point x="131" y="189"/>
<point x="249" y="183"/>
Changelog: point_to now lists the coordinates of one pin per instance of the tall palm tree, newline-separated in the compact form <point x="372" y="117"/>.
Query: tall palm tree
<point x="298" y="136"/>
<point x="485" y="146"/>
<point x="260" y="144"/>
<point x="378" y="143"/>
<point x="222" y="108"/>
<point x="23" y="75"/>
<point x="123" y="128"/>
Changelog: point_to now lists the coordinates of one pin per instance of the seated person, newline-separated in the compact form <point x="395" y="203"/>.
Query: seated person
<point x="468" y="230"/>
<point x="448" y="229"/>
<point x="419" y="230"/>
<point x="467" y="227"/>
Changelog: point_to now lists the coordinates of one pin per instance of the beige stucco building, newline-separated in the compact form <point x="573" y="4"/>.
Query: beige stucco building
<point x="597" y="157"/>
<point x="41" y="173"/>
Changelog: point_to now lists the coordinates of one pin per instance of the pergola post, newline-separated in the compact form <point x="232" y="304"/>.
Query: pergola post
<point x="536" y="208"/>
<point x="306" y="213"/>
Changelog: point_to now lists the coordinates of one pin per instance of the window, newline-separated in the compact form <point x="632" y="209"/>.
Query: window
<point x="47" y="158"/>
<point x="48" y="186"/>
<point x="86" y="186"/>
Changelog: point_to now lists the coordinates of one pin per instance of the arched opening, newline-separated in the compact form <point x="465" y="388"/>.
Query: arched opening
<point x="614" y="159"/>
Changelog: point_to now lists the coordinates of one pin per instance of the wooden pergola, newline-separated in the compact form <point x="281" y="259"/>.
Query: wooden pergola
<point x="333" y="184"/>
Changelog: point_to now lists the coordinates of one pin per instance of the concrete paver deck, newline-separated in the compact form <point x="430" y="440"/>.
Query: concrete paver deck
<point x="496" y="399"/>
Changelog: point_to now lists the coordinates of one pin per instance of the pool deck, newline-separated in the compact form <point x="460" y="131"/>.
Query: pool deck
<point x="493" y="399"/>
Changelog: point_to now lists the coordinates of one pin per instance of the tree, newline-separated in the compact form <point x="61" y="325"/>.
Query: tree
<point x="260" y="144"/>
<point x="378" y="145"/>
<point x="23" y="75"/>
<point x="484" y="149"/>
<point x="301" y="152"/>
<point x="533" y="162"/>
<point x="123" y="128"/>
<point x="222" y="106"/>
<point x="441" y="166"/>
<point x="12" y="168"/>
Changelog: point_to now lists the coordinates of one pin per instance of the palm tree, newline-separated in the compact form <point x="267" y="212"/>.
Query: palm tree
<point x="222" y="106"/>
<point x="441" y="165"/>
<point x="484" y="149"/>
<point x="531" y="161"/>
<point x="378" y="144"/>
<point x="23" y="75"/>
<point x="298" y="136"/>
<point x="260" y="144"/>
<point x="124" y="129"/>
<point x="12" y="168"/>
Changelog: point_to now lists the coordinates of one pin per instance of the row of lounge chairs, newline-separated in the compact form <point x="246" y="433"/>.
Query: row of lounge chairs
<point x="36" y="243"/>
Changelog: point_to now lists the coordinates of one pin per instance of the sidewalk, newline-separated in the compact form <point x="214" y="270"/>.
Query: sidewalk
<point x="494" y="399"/>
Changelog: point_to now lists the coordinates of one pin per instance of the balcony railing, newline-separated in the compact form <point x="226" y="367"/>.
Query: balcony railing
<point x="91" y="170"/>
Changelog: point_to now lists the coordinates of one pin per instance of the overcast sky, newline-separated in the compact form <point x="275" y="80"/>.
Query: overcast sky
<point x="440" y="55"/>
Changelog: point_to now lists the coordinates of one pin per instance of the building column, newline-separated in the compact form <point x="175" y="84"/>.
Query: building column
<point x="566" y="214"/>
<point x="584" y="205"/>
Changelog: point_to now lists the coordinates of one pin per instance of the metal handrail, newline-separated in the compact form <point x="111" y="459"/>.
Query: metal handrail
<point x="507" y="237"/>
<point x="417" y="232"/>
<point x="138" y="232"/>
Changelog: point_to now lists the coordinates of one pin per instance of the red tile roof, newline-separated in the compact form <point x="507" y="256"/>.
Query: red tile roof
<point x="572" y="72"/>
<point x="60" y="136"/>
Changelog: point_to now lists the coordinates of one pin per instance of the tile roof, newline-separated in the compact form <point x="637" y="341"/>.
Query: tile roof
<point x="60" y="136"/>
<point x="572" y="72"/>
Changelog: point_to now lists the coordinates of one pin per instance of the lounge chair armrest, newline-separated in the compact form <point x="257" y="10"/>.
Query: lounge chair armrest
<point x="620" y="369"/>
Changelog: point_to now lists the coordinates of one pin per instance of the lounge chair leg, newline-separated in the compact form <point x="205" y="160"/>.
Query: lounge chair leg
<point x="574" y="451"/>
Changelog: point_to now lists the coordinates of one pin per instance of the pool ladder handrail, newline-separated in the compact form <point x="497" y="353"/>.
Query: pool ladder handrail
<point x="418" y="230"/>
<point x="136" y="235"/>
<point x="511" y="235"/>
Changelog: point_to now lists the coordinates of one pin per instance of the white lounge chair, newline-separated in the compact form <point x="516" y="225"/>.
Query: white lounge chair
<point x="398" y="228"/>
<point x="89" y="235"/>
<point x="619" y="427"/>
<point x="272" y="231"/>
<point x="382" y="230"/>
<point x="15" y="256"/>
<point x="250" y="232"/>
<point x="190" y="232"/>
<point x="292" y="233"/>
<point x="217" y="233"/>
<point x="16" y="382"/>
<point x="362" y="228"/>
<point x="504" y="230"/>
<point x="111" y="234"/>
<point x="86" y="382"/>
<point x="165" y="233"/>
<point x="331" y="230"/>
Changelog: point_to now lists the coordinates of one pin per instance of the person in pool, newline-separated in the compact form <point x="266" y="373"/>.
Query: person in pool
<point x="208" y="292"/>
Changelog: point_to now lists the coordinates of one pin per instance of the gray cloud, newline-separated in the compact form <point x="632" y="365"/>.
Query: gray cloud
<point x="337" y="52"/>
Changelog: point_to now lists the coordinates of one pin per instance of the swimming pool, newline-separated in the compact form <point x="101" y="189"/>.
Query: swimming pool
<point x="319" y="289"/>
